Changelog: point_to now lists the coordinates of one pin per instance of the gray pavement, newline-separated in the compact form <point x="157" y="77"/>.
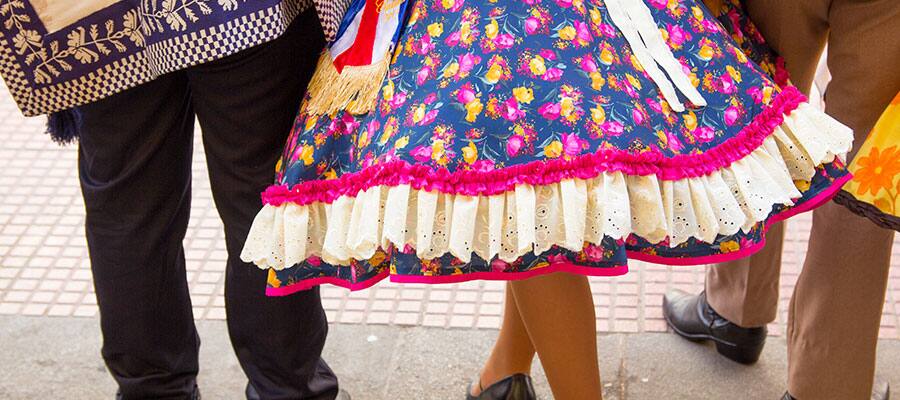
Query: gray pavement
<point x="59" y="358"/>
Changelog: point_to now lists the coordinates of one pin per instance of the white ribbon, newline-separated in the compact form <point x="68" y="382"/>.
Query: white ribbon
<point x="634" y="20"/>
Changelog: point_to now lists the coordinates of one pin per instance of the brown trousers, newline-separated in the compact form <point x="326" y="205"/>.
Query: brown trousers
<point x="835" y="311"/>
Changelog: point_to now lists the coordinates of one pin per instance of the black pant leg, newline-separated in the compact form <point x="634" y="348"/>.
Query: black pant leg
<point x="246" y="105"/>
<point x="135" y="171"/>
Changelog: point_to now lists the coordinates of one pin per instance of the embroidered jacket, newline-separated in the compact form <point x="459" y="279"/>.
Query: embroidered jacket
<point x="55" y="55"/>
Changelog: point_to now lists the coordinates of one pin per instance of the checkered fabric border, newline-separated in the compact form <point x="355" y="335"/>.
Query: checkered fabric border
<point x="157" y="59"/>
<point x="330" y="14"/>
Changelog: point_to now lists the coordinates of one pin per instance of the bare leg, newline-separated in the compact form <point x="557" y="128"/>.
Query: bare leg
<point x="513" y="351"/>
<point x="557" y="311"/>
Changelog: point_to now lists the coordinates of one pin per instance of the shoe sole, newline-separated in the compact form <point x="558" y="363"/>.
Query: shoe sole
<point x="730" y="351"/>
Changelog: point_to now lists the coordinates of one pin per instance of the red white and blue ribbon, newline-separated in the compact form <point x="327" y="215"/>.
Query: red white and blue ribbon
<point x="351" y="70"/>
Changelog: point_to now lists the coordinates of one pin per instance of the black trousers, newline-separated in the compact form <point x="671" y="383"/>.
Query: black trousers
<point x="135" y="171"/>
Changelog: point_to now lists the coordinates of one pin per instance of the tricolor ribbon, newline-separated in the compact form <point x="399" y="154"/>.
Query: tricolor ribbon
<point x="352" y="68"/>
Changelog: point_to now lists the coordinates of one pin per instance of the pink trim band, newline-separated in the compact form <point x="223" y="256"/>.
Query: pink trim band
<point x="484" y="276"/>
<point x="544" y="172"/>
<point x="811" y="204"/>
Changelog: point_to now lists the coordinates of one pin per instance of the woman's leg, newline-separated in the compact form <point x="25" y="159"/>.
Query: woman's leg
<point x="557" y="311"/>
<point x="513" y="351"/>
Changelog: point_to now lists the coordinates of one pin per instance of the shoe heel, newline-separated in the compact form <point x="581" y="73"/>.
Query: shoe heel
<point x="740" y="354"/>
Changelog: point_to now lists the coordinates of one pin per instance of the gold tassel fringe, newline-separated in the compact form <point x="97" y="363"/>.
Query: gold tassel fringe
<point x="355" y="89"/>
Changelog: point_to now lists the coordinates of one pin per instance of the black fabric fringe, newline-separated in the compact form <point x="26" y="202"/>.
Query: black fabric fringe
<point x="867" y="210"/>
<point x="64" y="126"/>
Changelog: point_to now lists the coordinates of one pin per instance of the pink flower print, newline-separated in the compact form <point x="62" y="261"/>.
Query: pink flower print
<point x="710" y="25"/>
<point x="564" y="3"/>
<point x="430" y="99"/>
<point x="756" y="93"/>
<point x="549" y="111"/>
<point x="553" y="74"/>
<point x="398" y="100"/>
<point x="654" y="105"/>
<point x="660" y="4"/>
<point x="314" y="261"/>
<point x="424" y="45"/>
<point x="557" y="259"/>
<point x="674" y="144"/>
<point x="608" y="30"/>
<point x="467" y="62"/>
<point x="349" y="123"/>
<point x="514" y="144"/>
<point x="422" y="75"/>
<point x="504" y="41"/>
<point x="465" y="95"/>
<point x="593" y="253"/>
<point x="422" y="154"/>
<point x="704" y="134"/>
<point x="498" y="265"/>
<point x="612" y="128"/>
<point x="511" y="110"/>
<point x="548" y="54"/>
<point x="452" y="39"/>
<point x="532" y="25"/>
<point x="731" y="115"/>
<point x="588" y="64"/>
<point x="582" y="33"/>
<point x="726" y="84"/>
<point x="572" y="144"/>
<point x="483" y="165"/>
<point x="637" y="116"/>
<point x="429" y="117"/>
<point x="677" y="35"/>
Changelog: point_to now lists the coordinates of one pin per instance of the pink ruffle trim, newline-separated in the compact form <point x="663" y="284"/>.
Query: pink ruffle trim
<point x="539" y="173"/>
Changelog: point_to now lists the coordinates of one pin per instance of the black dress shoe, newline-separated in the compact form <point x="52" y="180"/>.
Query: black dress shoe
<point x="194" y="396"/>
<point x="513" y="387"/>
<point x="251" y="393"/>
<point x="881" y="390"/>
<point x="692" y="318"/>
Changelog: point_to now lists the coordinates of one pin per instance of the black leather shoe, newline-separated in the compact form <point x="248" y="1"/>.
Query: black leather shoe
<point x="513" y="387"/>
<point x="692" y="318"/>
<point x="251" y="393"/>
<point x="881" y="390"/>
<point x="194" y="396"/>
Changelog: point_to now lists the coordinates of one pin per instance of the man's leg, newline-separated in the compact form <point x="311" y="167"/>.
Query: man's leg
<point x="741" y="297"/>
<point x="246" y="105"/>
<point x="836" y="308"/>
<point x="135" y="170"/>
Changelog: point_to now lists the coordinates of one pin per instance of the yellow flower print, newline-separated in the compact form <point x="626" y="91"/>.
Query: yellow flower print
<point x="436" y="29"/>
<point x="311" y="122"/>
<point x="735" y="74"/>
<point x="596" y="18"/>
<point x="690" y="120"/>
<point x="633" y="81"/>
<point x="606" y="57"/>
<point x="448" y="4"/>
<point x="597" y="80"/>
<point x="419" y="114"/>
<point x="729" y="246"/>
<point x="377" y="258"/>
<point x="537" y="66"/>
<point x="306" y="154"/>
<point x="331" y="174"/>
<point x="636" y="63"/>
<point x="438" y="151"/>
<point x="470" y="153"/>
<point x="465" y="31"/>
<point x="706" y="53"/>
<point x="554" y="149"/>
<point x="695" y="80"/>
<point x="492" y="29"/>
<point x="451" y="70"/>
<point x="598" y="115"/>
<point x="523" y="95"/>
<point x="877" y="170"/>
<point x="401" y="143"/>
<point x="698" y="13"/>
<point x="741" y="57"/>
<point x="802" y="185"/>
<point x="566" y="107"/>
<point x="473" y="109"/>
<point x="494" y="73"/>
<point x="767" y="94"/>
<point x="279" y="163"/>
<point x="387" y="92"/>
<point x="567" y="33"/>
<point x="273" y="280"/>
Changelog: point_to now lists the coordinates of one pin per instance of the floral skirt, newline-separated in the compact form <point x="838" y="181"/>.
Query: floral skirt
<point x="514" y="138"/>
<point x="874" y="191"/>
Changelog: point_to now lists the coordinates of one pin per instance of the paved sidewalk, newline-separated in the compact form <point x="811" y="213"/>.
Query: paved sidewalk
<point x="58" y="358"/>
<point x="44" y="269"/>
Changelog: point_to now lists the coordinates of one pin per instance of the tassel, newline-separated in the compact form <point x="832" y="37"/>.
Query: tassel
<point x="64" y="126"/>
<point x="354" y="89"/>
